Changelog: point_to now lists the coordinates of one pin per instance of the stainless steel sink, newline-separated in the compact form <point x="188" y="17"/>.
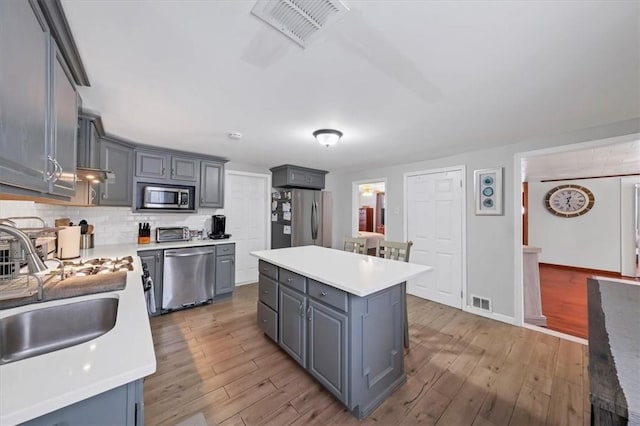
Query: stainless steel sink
<point x="50" y="329"/>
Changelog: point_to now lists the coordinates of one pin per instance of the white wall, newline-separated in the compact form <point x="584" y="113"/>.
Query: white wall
<point x="589" y="241"/>
<point x="490" y="239"/>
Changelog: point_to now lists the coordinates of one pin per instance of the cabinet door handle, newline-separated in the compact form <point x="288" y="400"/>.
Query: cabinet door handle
<point x="104" y="196"/>
<point x="51" y="175"/>
<point x="309" y="313"/>
<point x="59" y="168"/>
<point x="163" y="171"/>
<point x="301" y="310"/>
<point x="323" y="293"/>
<point x="201" y="200"/>
<point x="265" y="291"/>
<point x="264" y="321"/>
<point x="289" y="280"/>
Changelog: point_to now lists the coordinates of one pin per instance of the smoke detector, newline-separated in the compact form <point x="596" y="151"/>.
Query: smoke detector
<point x="300" y="20"/>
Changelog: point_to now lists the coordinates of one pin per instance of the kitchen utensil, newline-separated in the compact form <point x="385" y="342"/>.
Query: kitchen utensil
<point x="89" y="229"/>
<point x="144" y="233"/>
<point x="86" y="241"/>
<point x="68" y="242"/>
<point x="83" y="226"/>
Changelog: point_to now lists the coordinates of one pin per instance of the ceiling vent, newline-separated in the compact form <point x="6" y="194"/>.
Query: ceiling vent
<point x="300" y="20"/>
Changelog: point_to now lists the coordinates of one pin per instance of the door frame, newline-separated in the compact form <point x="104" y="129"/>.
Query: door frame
<point x="517" y="225"/>
<point x="267" y="201"/>
<point x="355" y="200"/>
<point x="463" y="206"/>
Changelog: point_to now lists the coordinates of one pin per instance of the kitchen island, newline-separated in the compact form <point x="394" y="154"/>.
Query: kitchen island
<point x="340" y="316"/>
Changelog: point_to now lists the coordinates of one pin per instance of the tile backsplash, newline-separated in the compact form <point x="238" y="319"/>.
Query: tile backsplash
<point x="112" y="225"/>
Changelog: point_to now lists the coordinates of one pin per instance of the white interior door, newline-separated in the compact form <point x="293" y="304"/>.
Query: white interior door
<point x="247" y="210"/>
<point x="434" y="224"/>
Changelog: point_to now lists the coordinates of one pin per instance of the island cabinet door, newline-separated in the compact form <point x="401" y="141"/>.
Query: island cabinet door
<point x="293" y="326"/>
<point x="327" y="360"/>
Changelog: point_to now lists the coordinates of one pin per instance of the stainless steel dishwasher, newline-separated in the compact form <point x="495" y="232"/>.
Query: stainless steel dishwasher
<point x="188" y="277"/>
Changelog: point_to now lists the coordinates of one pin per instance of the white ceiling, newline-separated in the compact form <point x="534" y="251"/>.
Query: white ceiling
<point x="404" y="80"/>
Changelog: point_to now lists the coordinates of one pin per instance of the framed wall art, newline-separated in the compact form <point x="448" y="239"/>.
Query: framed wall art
<point x="488" y="191"/>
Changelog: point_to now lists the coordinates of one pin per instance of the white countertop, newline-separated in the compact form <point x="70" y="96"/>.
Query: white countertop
<point x="35" y="386"/>
<point x="358" y="274"/>
<point x="181" y="244"/>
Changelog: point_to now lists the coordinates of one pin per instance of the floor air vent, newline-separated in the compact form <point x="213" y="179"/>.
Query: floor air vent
<point x="300" y="20"/>
<point x="481" y="303"/>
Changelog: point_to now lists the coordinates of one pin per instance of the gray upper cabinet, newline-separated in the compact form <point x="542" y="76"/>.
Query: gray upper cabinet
<point x="64" y="118"/>
<point x="152" y="165"/>
<point x="23" y="96"/>
<point x="211" y="184"/>
<point x="118" y="158"/>
<point x="160" y="165"/>
<point x="88" y="150"/>
<point x="38" y="104"/>
<point x="288" y="176"/>
<point x="184" y="169"/>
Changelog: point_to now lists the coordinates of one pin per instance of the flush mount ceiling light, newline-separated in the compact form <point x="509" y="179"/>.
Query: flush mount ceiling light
<point x="327" y="137"/>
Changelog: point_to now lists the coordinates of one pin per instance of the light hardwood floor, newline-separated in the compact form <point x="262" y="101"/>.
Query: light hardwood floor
<point x="462" y="369"/>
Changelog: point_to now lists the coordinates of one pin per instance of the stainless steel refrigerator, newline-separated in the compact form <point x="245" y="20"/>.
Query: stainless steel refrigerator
<point x="300" y="217"/>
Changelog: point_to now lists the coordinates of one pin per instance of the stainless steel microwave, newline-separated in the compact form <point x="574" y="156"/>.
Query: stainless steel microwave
<point x="166" y="197"/>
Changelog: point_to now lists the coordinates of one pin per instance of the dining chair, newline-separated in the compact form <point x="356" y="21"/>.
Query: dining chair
<point x="355" y="245"/>
<point x="394" y="250"/>
<point x="397" y="251"/>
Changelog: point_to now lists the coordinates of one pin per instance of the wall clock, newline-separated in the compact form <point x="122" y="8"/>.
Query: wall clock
<point x="569" y="200"/>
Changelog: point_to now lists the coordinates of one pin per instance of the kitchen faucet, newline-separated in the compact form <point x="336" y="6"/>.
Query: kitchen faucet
<point x="35" y="265"/>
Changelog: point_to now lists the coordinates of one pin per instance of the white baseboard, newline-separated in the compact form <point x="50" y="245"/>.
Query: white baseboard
<point x="491" y="315"/>
<point x="557" y="334"/>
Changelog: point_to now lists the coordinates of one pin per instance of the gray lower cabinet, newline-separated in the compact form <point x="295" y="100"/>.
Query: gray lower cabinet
<point x="211" y="184"/>
<point x="225" y="275"/>
<point x="123" y="406"/>
<point x="292" y="329"/>
<point x="352" y="345"/>
<point x="327" y="360"/>
<point x="118" y="158"/>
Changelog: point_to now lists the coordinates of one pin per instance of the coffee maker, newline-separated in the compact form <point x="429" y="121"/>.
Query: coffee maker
<point x="217" y="227"/>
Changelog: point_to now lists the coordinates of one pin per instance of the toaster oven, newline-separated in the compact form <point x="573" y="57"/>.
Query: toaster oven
<point x="172" y="233"/>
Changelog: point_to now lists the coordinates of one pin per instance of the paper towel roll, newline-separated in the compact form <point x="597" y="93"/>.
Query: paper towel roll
<point x="69" y="242"/>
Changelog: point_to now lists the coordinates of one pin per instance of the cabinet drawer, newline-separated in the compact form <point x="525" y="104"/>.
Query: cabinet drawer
<point x="268" y="269"/>
<point x="268" y="321"/>
<point x="268" y="291"/>
<point x="222" y="249"/>
<point x="329" y="295"/>
<point x="293" y="280"/>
